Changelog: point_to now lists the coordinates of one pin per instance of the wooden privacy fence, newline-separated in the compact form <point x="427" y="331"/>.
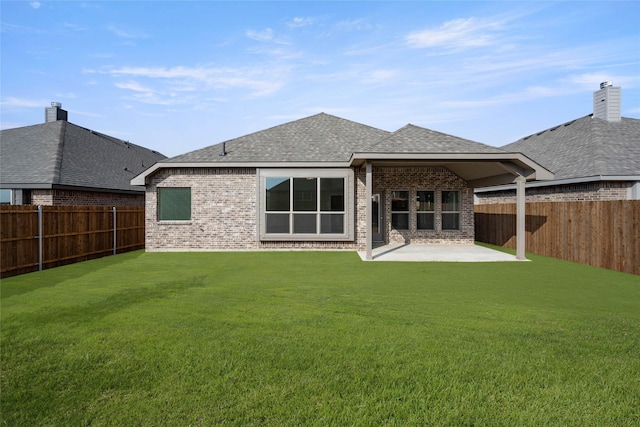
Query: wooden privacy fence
<point x="37" y="237"/>
<point x="599" y="233"/>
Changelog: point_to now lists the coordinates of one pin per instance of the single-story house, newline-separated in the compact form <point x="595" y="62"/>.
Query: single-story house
<point x="595" y="157"/>
<point x="324" y="182"/>
<point x="60" y="163"/>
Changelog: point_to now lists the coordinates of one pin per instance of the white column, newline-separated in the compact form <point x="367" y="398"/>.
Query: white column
<point x="369" y="204"/>
<point x="520" y="218"/>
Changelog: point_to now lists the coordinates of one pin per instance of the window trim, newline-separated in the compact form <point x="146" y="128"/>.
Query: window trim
<point x="433" y="212"/>
<point x="407" y="212"/>
<point x="443" y="212"/>
<point x="174" y="221"/>
<point x="318" y="173"/>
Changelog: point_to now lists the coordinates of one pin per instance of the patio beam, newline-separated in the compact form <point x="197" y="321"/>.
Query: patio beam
<point x="369" y="208"/>
<point x="520" y="218"/>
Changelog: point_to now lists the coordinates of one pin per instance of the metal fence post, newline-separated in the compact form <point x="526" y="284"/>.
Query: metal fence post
<point x="115" y="232"/>
<point x="40" y="231"/>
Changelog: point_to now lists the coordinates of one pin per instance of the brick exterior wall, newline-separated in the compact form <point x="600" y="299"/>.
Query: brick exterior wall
<point x="587" y="191"/>
<point x="413" y="179"/>
<point x="224" y="210"/>
<point x="84" y="198"/>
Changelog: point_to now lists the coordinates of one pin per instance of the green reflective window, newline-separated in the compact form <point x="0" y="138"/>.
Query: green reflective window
<point x="174" y="204"/>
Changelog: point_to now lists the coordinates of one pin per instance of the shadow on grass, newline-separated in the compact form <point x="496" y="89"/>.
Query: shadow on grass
<point x="51" y="277"/>
<point x="114" y="303"/>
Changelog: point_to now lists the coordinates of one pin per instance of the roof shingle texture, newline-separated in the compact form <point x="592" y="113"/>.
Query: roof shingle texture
<point x="326" y="138"/>
<point x="61" y="153"/>
<point x="415" y="139"/>
<point x="585" y="147"/>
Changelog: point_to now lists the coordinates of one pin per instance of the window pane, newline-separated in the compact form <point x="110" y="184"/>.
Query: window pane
<point x="451" y="221"/>
<point x="174" y="204"/>
<point x="450" y="201"/>
<point x="304" y="223"/>
<point x="305" y="194"/>
<point x="332" y="224"/>
<point x="399" y="200"/>
<point x="277" y="194"/>
<point x="278" y="223"/>
<point x="400" y="221"/>
<point x="5" y="197"/>
<point x="426" y="221"/>
<point x="332" y="194"/>
<point x="426" y="201"/>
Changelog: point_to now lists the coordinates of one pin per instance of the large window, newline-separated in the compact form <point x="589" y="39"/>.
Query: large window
<point x="305" y="205"/>
<point x="400" y="210"/>
<point x="450" y="210"/>
<point x="174" y="204"/>
<point x="425" y="210"/>
<point x="6" y="197"/>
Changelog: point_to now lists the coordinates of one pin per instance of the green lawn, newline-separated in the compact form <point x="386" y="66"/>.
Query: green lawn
<point x="319" y="338"/>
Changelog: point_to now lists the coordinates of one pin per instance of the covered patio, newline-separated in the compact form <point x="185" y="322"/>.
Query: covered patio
<point x="436" y="253"/>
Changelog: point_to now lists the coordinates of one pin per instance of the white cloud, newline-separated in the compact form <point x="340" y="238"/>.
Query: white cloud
<point x="265" y="36"/>
<point x="258" y="81"/>
<point x="299" y="22"/>
<point x="457" y="34"/>
<point x="127" y="33"/>
<point x="24" y="103"/>
<point x="35" y="4"/>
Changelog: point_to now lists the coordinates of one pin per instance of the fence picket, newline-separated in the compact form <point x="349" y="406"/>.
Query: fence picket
<point x="599" y="233"/>
<point x="70" y="234"/>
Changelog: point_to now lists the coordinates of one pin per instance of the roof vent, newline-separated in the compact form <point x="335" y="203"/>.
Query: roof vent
<point x="224" y="149"/>
<point x="54" y="113"/>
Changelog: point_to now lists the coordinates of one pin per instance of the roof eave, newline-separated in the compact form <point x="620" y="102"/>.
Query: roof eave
<point x="141" y="179"/>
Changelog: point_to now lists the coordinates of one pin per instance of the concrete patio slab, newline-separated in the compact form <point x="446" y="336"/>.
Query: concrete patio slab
<point x="437" y="253"/>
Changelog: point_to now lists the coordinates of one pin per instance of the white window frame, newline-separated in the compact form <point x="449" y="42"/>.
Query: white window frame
<point x="432" y="212"/>
<point x="318" y="173"/>
<point x="443" y="212"/>
<point x="407" y="212"/>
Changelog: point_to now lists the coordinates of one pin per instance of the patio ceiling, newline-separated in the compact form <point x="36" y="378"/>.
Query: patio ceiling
<point x="479" y="170"/>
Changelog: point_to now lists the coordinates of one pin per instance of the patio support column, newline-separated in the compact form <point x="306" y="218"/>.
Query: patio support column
<point x="520" y="218"/>
<point x="369" y="208"/>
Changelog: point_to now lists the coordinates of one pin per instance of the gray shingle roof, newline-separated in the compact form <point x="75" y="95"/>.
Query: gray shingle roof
<point x="585" y="147"/>
<point x="415" y="139"/>
<point x="326" y="138"/>
<point x="318" y="138"/>
<point x="61" y="153"/>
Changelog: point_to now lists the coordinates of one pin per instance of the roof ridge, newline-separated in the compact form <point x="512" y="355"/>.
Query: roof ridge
<point x="58" y="159"/>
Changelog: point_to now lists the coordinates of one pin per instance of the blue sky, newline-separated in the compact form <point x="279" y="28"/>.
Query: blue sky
<point x="178" y="76"/>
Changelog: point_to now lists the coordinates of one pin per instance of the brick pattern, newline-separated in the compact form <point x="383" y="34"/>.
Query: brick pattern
<point x="413" y="179"/>
<point x="588" y="191"/>
<point x="84" y="198"/>
<point x="224" y="209"/>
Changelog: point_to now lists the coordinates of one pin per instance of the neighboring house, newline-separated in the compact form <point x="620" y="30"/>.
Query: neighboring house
<point x="324" y="182"/>
<point x="596" y="157"/>
<point x="59" y="163"/>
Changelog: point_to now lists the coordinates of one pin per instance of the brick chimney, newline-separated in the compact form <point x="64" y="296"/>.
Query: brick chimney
<point x="607" y="102"/>
<point x="54" y="113"/>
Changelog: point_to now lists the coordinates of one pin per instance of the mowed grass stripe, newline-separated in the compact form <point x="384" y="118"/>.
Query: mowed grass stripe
<point x="319" y="338"/>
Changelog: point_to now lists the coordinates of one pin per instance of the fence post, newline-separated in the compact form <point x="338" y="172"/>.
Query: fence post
<point x="40" y="231"/>
<point x="115" y="231"/>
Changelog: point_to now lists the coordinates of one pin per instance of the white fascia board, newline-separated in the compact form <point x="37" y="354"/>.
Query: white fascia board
<point x="567" y="181"/>
<point x="540" y="172"/>
<point x="142" y="178"/>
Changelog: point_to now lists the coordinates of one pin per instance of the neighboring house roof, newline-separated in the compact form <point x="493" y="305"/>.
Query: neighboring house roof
<point x="585" y="147"/>
<point x="323" y="140"/>
<point x="62" y="154"/>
